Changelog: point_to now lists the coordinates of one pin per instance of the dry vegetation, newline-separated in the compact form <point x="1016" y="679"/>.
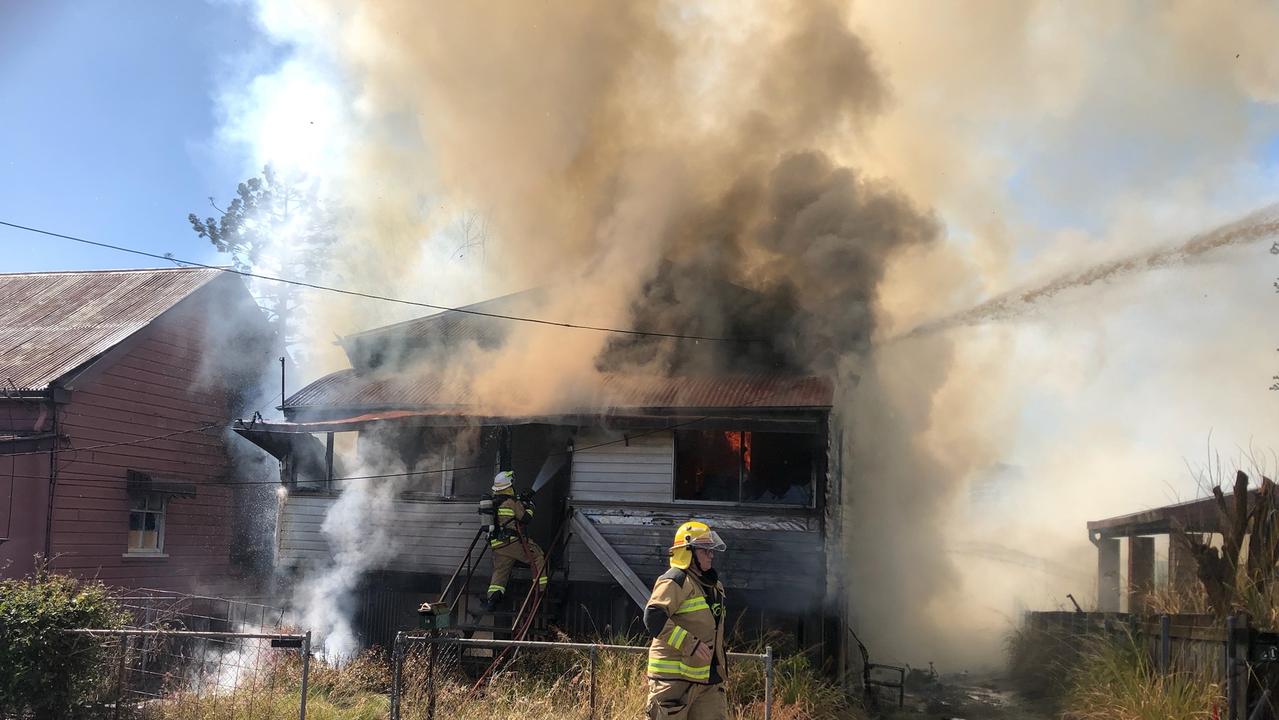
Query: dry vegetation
<point x="1115" y="680"/>
<point x="541" y="686"/>
<point x="1100" y="677"/>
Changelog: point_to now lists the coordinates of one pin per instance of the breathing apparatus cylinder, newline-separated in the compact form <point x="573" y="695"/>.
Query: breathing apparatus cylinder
<point x="488" y="514"/>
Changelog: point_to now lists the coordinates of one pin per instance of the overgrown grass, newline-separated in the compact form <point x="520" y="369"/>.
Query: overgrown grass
<point x="1103" y="677"/>
<point x="1040" y="663"/>
<point x="536" y="686"/>
<point x="1116" y="680"/>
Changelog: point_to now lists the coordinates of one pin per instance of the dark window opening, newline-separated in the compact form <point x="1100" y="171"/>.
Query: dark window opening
<point x="744" y="467"/>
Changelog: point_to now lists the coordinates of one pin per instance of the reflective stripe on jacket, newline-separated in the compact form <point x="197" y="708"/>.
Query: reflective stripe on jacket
<point x="512" y="515"/>
<point x="690" y="619"/>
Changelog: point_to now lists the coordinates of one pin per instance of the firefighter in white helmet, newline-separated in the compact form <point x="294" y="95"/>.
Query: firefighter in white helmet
<point x="508" y="540"/>
<point x="687" y="662"/>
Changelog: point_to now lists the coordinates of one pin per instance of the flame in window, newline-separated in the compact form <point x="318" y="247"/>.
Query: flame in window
<point x="740" y="442"/>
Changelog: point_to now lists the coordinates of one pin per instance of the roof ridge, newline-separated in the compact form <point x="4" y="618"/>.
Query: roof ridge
<point x="103" y="271"/>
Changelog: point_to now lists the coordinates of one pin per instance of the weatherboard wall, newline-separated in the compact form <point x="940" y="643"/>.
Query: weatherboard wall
<point x="155" y="383"/>
<point x="422" y="536"/>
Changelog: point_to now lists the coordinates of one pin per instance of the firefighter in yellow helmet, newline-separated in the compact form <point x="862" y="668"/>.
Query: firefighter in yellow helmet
<point x="687" y="662"/>
<point x="508" y="541"/>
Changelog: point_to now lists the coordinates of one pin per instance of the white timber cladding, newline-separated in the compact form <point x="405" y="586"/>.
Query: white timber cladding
<point x="428" y="536"/>
<point x="639" y="469"/>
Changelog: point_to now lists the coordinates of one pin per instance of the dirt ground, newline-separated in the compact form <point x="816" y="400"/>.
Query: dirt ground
<point x="965" y="697"/>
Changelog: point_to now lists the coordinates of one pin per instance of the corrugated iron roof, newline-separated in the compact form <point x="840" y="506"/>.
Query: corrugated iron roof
<point x="54" y="322"/>
<point x="348" y="390"/>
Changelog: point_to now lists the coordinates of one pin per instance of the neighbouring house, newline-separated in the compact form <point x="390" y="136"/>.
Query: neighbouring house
<point x="117" y="390"/>
<point x="752" y="451"/>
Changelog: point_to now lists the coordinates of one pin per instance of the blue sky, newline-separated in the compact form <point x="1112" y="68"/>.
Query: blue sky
<point x="109" y="122"/>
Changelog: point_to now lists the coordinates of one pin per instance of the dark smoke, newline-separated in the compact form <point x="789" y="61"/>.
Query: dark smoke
<point x="787" y="264"/>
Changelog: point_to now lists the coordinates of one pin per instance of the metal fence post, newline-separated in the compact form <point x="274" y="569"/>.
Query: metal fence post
<point x="397" y="674"/>
<point x="594" y="657"/>
<point x="1165" y="643"/>
<point x="768" y="682"/>
<point x="121" y="665"/>
<point x="306" y="673"/>
<point x="430" y="675"/>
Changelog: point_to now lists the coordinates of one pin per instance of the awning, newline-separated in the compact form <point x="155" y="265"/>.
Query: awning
<point x="287" y="441"/>
<point x="138" y="482"/>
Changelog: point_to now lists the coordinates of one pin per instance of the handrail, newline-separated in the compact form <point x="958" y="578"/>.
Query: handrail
<point x="465" y="583"/>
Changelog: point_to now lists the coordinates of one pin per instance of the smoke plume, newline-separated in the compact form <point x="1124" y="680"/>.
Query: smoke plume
<point x="808" y="179"/>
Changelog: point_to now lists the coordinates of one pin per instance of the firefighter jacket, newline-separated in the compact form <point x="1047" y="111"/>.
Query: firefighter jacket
<point x="512" y="516"/>
<point x="683" y="610"/>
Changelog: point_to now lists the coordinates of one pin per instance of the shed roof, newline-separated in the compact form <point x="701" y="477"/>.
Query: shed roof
<point x="348" y="390"/>
<point x="54" y="322"/>
<point x="1196" y="516"/>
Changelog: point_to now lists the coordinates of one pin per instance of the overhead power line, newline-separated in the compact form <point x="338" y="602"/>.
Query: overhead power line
<point x="414" y="473"/>
<point x="373" y="296"/>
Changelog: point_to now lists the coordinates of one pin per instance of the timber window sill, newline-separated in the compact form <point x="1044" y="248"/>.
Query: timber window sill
<point x="144" y="556"/>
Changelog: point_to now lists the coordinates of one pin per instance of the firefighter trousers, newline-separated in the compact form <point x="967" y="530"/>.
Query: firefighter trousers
<point x="684" y="700"/>
<point x="505" y="557"/>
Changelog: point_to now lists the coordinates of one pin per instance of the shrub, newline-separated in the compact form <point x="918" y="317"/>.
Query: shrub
<point x="44" y="671"/>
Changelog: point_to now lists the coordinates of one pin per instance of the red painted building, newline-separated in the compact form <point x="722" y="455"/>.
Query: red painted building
<point x="118" y="386"/>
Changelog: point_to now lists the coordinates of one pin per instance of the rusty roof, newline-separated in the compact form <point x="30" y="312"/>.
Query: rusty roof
<point x="348" y="390"/>
<point x="54" y="322"/>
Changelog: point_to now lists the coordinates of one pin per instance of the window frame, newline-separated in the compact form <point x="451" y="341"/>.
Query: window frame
<point x="161" y="524"/>
<point x="741" y="477"/>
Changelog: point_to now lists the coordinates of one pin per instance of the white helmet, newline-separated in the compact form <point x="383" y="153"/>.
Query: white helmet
<point x="503" y="480"/>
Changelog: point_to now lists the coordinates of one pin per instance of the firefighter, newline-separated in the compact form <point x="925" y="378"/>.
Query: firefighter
<point x="687" y="662"/>
<point x="509" y="541"/>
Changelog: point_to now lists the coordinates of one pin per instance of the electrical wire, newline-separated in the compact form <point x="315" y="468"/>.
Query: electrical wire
<point x="415" y="473"/>
<point x="136" y="441"/>
<point x="371" y="296"/>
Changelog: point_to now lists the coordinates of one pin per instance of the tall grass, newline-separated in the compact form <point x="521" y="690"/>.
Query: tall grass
<point x="551" y="685"/>
<point x="1041" y="662"/>
<point x="1116" y="680"/>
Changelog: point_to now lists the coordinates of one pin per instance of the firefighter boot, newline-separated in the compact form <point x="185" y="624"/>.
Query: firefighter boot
<point x="491" y="602"/>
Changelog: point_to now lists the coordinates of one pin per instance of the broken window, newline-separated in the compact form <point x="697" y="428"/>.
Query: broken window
<point x="744" y="466"/>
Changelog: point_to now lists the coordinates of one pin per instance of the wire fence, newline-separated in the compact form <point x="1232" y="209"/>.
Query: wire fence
<point x="202" y="675"/>
<point x="431" y="674"/>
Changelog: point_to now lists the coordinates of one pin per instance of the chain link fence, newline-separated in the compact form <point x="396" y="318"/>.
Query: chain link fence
<point x="436" y="676"/>
<point x="201" y="675"/>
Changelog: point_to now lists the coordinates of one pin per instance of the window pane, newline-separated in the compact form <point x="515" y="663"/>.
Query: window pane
<point x="135" y="521"/>
<point x="150" y="540"/>
<point x="708" y="465"/>
<point x="135" y="539"/>
<point x="151" y="521"/>
<point x="779" y="469"/>
<point x="138" y="502"/>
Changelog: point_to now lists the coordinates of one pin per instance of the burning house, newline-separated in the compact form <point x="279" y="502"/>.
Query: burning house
<point x="750" y="448"/>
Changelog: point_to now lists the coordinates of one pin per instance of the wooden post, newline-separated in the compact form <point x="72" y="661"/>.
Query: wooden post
<point x="1141" y="572"/>
<point x="1165" y="643"/>
<point x="1108" y="575"/>
<point x="1183" y="574"/>
<point x="1237" y="638"/>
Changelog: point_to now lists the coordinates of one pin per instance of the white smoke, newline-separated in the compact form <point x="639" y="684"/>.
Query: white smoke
<point x="359" y="530"/>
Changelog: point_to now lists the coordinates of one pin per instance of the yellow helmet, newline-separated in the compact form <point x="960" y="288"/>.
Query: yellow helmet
<point x="691" y="534"/>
